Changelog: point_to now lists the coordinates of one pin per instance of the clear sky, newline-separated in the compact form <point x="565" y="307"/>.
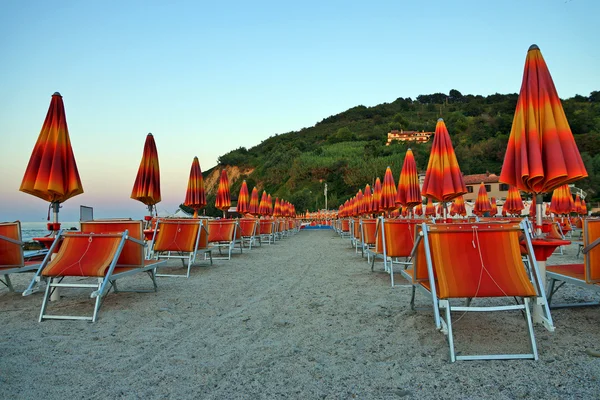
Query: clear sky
<point x="208" y="77"/>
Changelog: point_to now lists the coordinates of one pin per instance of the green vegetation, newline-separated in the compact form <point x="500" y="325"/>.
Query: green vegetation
<point x="348" y="150"/>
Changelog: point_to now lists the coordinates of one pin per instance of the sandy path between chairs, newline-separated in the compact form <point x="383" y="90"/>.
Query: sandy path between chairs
<point x="305" y="318"/>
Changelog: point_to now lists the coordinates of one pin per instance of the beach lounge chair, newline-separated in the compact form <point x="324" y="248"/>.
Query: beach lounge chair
<point x="345" y="228"/>
<point x="224" y="234"/>
<point x="355" y="234"/>
<point x="12" y="259"/>
<point x="249" y="231"/>
<point x="474" y="261"/>
<point x="394" y="241"/>
<point x="181" y="239"/>
<point x="368" y="228"/>
<point x="267" y="231"/>
<point x="586" y="274"/>
<point x="102" y="250"/>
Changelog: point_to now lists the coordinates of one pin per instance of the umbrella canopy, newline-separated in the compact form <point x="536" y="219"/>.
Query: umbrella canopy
<point x="376" y="205"/>
<point x="409" y="190"/>
<point x="562" y="200"/>
<point x="430" y="208"/>
<point x="482" y="203"/>
<point x="443" y="179"/>
<point x="51" y="173"/>
<point x="440" y="208"/>
<point x="513" y="203"/>
<point x="263" y="207"/>
<point x="243" y="199"/>
<point x="494" y="209"/>
<point x="583" y="208"/>
<point x="577" y="205"/>
<point x="223" y="200"/>
<point x="270" y="205"/>
<point x="195" y="196"/>
<point x="459" y="206"/>
<point x="254" y="204"/>
<point x="388" y="191"/>
<point x="541" y="153"/>
<point x="418" y="209"/>
<point x="277" y="209"/>
<point x="146" y="187"/>
<point x="367" y="200"/>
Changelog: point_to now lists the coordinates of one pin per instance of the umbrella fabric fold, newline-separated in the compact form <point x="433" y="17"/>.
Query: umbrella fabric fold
<point x="263" y="207"/>
<point x="195" y="195"/>
<point x="51" y="173"/>
<point x="243" y="199"/>
<point x="146" y="187"/>
<point x="409" y="191"/>
<point x="482" y="203"/>
<point x="223" y="200"/>
<point x="253" y="206"/>
<point x="367" y="200"/>
<point x="443" y="179"/>
<point x="562" y="200"/>
<point x="494" y="209"/>
<point x="541" y="153"/>
<point x="513" y="203"/>
<point x="376" y="204"/>
<point x="430" y="208"/>
<point x="388" y="192"/>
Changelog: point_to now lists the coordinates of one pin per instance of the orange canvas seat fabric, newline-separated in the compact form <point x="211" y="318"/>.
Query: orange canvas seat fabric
<point x="478" y="260"/>
<point x="356" y="228"/>
<point x="266" y="227"/>
<point x="576" y="271"/>
<point x="592" y="256"/>
<point x="399" y="238"/>
<point x="11" y="254"/>
<point x="221" y="230"/>
<point x="247" y="226"/>
<point x="176" y="236"/>
<point x="132" y="254"/>
<point x="345" y="225"/>
<point x="369" y="231"/>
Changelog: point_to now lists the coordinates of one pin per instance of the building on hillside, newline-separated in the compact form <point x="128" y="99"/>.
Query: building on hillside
<point x="408" y="136"/>
<point x="492" y="185"/>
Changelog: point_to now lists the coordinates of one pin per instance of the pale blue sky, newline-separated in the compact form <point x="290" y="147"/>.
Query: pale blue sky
<point x="208" y="77"/>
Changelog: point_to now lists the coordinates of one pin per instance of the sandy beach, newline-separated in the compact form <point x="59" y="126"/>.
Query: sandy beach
<point x="303" y="319"/>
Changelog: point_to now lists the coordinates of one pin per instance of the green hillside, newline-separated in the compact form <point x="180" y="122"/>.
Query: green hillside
<point x="348" y="150"/>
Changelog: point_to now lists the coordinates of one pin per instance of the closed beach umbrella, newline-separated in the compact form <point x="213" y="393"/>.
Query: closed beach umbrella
<point x="443" y="179"/>
<point x="263" y="207"/>
<point x="562" y="200"/>
<point x="367" y="200"/>
<point x="243" y="199"/>
<point x="253" y="206"/>
<point x="577" y="205"/>
<point x="541" y="153"/>
<point x="146" y="187"/>
<point x="270" y="205"/>
<point x="388" y="191"/>
<point x="459" y="206"/>
<point x="482" y="203"/>
<point x="430" y="208"/>
<point x="223" y="200"/>
<point x="377" y="196"/>
<point x="409" y="190"/>
<point x="494" y="204"/>
<point x="513" y="203"/>
<point x="418" y="209"/>
<point x="195" y="196"/>
<point x="51" y="173"/>
<point x="583" y="207"/>
<point x="360" y="200"/>
<point x="277" y="209"/>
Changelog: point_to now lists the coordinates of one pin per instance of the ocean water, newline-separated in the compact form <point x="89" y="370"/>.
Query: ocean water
<point x="30" y="230"/>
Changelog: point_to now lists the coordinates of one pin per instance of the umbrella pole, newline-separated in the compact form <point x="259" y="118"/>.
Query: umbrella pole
<point x="55" y="296"/>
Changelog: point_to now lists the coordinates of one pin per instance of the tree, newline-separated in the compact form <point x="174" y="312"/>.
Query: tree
<point x="455" y="96"/>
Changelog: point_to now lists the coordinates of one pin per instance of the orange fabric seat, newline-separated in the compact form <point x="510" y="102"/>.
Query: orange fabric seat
<point x="12" y="259"/>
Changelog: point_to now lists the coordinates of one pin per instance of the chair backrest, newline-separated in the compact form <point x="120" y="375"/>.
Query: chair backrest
<point x="355" y="228"/>
<point x="177" y="235"/>
<point x="399" y="237"/>
<point x="345" y="225"/>
<point x="221" y="230"/>
<point x="248" y="226"/>
<point x="478" y="260"/>
<point x="11" y="251"/>
<point x="555" y="231"/>
<point x="368" y="230"/>
<point x="133" y="253"/>
<point x="591" y="233"/>
<point x="266" y="226"/>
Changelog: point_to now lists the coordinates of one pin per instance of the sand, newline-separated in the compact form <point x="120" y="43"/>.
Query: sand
<point x="304" y="319"/>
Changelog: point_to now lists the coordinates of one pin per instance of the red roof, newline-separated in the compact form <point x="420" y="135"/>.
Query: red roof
<point x="476" y="179"/>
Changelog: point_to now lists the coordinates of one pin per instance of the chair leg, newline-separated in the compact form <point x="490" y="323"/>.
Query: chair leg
<point x="392" y="271"/>
<point x="412" y="298"/>
<point x="8" y="283"/>
<point x="46" y="298"/>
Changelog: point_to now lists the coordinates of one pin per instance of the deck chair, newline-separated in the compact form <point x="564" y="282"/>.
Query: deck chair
<point x="355" y="234"/>
<point x="555" y="232"/>
<point x="224" y="234"/>
<point x="249" y="231"/>
<point x="472" y="261"/>
<point x="267" y="231"/>
<point x="587" y="274"/>
<point x="12" y="259"/>
<point x="182" y="239"/>
<point x="367" y="237"/>
<point x="394" y="239"/>
<point x="345" y="228"/>
<point x="103" y="250"/>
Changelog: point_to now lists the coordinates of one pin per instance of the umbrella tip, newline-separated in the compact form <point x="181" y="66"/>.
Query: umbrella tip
<point x="533" y="47"/>
<point x="57" y="94"/>
<point x="440" y="120"/>
<point x="149" y="134"/>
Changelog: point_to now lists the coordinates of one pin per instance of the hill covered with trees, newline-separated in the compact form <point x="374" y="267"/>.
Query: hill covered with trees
<point x="348" y="150"/>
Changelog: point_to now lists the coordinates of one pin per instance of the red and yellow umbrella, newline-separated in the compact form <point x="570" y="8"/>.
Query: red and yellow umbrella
<point x="376" y="204"/>
<point x="443" y="179"/>
<point x="482" y="203"/>
<point x="440" y="209"/>
<point x="277" y="209"/>
<point x="583" y="208"/>
<point x="562" y="200"/>
<point x="459" y="206"/>
<point x="388" y="191"/>
<point x="513" y="203"/>
<point x="254" y="204"/>
<point x="263" y="207"/>
<point x="430" y="208"/>
<point x="146" y="187"/>
<point x="418" y="210"/>
<point x="52" y="173"/>
<point x="367" y="200"/>
<point x="270" y="205"/>
<point x="494" y="209"/>
<point x="577" y="205"/>
<point x="243" y="199"/>
<point x="541" y="154"/>
<point x="223" y="200"/>
<point x="409" y="190"/>
<point x="195" y="196"/>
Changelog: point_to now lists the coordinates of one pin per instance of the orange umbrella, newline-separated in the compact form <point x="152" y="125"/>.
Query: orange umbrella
<point x="277" y="209"/>
<point x="562" y="200"/>
<point x="513" y="203"/>
<point x="263" y="208"/>
<point x="443" y="179"/>
<point x="440" y="209"/>
<point x="360" y="199"/>
<point x="409" y="191"/>
<point x="418" y="209"/>
<point x="459" y="204"/>
<point x="243" y="199"/>
<point x="195" y="196"/>
<point x="367" y="200"/>
<point x="533" y="208"/>
<point x="376" y="207"/>
<point x="51" y="173"/>
<point x="388" y="191"/>
<point x="253" y="205"/>
<point x="270" y="205"/>
<point x="494" y="209"/>
<point x="482" y="203"/>
<point x="577" y="205"/>
<point x="223" y="200"/>
<point x="430" y="208"/>
<point x="147" y="182"/>
<point x="583" y="208"/>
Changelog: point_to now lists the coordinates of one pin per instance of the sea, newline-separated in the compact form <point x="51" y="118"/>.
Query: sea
<point x="30" y="230"/>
